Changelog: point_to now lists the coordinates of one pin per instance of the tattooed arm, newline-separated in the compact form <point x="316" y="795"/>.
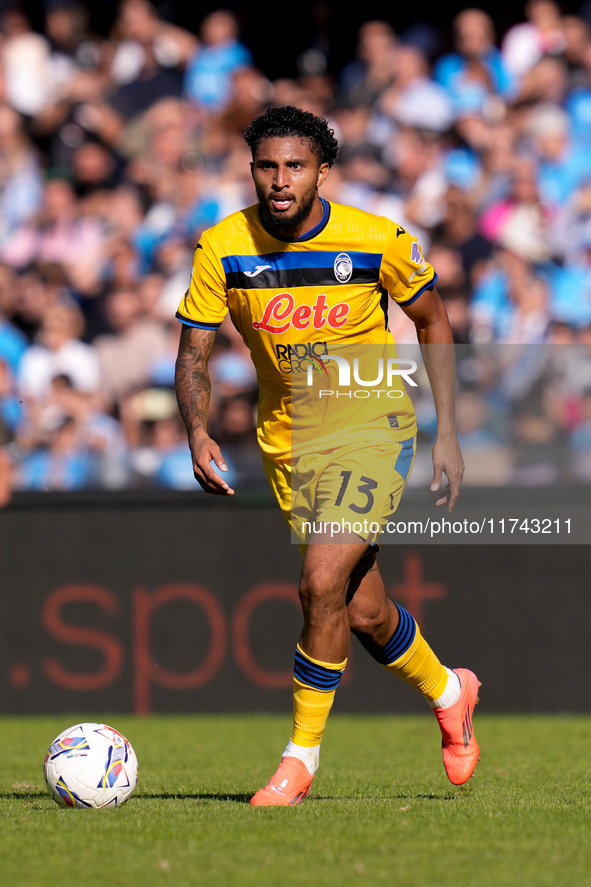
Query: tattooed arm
<point x="193" y="388"/>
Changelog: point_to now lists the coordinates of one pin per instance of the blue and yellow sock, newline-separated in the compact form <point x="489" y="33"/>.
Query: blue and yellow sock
<point x="314" y="687"/>
<point x="409" y="656"/>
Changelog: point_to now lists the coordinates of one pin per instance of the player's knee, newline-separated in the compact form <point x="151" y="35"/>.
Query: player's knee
<point x="320" y="593"/>
<point x="367" y="620"/>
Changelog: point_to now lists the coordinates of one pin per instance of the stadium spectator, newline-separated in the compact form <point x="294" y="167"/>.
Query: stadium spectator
<point x="24" y="61"/>
<point x="541" y="34"/>
<point x="126" y="354"/>
<point x="459" y="230"/>
<point x="476" y="70"/>
<point x="546" y="82"/>
<point x="78" y="79"/>
<point x="58" y="350"/>
<point x="96" y="430"/>
<point x="413" y="99"/>
<point x="93" y="171"/>
<point x="577" y="38"/>
<point x="162" y="461"/>
<point x="59" y="234"/>
<point x="75" y="52"/>
<point x="511" y="302"/>
<point x="563" y="165"/>
<point x="521" y="217"/>
<point x="418" y="176"/>
<point x="141" y="35"/>
<point x="73" y="45"/>
<point x="21" y="178"/>
<point x="208" y="78"/>
<point x="250" y="93"/>
<point x="64" y="464"/>
<point x="363" y="80"/>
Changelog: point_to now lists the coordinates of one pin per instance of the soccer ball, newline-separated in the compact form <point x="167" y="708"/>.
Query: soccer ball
<point x="90" y="765"/>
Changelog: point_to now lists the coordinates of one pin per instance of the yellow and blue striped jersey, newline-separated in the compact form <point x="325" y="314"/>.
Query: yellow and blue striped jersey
<point x="293" y="299"/>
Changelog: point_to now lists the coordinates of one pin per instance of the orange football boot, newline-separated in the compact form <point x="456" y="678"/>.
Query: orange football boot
<point x="287" y="788"/>
<point x="460" y="749"/>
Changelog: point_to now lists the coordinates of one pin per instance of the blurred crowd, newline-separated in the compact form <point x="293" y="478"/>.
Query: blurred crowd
<point x="117" y="151"/>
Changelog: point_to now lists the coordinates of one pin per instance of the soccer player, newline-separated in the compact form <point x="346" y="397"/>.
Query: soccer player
<point x="294" y="270"/>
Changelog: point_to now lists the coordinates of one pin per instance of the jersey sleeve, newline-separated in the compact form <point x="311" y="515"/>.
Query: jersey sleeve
<point x="404" y="272"/>
<point x="205" y="303"/>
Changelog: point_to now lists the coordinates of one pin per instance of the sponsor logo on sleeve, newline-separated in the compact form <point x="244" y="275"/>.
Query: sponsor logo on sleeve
<point x="416" y="255"/>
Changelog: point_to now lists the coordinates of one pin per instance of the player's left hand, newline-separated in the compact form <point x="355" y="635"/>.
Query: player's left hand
<point x="447" y="457"/>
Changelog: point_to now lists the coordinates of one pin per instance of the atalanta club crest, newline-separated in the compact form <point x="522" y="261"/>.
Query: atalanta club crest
<point x="343" y="268"/>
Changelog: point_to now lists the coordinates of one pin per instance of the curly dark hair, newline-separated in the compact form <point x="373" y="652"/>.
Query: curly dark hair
<point x="290" y="121"/>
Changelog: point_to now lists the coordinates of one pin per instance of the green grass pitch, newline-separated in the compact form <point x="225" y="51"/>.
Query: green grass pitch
<point x="381" y="811"/>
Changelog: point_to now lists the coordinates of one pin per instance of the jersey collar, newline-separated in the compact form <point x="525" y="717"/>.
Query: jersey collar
<point x="309" y="234"/>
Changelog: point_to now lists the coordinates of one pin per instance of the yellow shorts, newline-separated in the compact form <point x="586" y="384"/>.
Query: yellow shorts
<point x="342" y="491"/>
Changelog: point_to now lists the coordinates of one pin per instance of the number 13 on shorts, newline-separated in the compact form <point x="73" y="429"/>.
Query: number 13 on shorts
<point x="357" y="488"/>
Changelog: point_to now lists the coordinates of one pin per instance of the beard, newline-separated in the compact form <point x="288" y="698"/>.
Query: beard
<point x="287" y="224"/>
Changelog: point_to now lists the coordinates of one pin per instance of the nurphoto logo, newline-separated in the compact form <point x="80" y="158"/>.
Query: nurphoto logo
<point x="387" y="371"/>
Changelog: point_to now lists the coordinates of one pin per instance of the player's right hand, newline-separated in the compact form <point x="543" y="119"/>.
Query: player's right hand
<point x="206" y="453"/>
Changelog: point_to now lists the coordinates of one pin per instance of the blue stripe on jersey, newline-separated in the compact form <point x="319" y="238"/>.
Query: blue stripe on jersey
<point x="321" y="224"/>
<point x="326" y="210"/>
<point x="400" y="641"/>
<point x="420" y="292"/>
<point x="196" y="323"/>
<point x="404" y="460"/>
<point x="314" y="675"/>
<point x="252" y="266"/>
